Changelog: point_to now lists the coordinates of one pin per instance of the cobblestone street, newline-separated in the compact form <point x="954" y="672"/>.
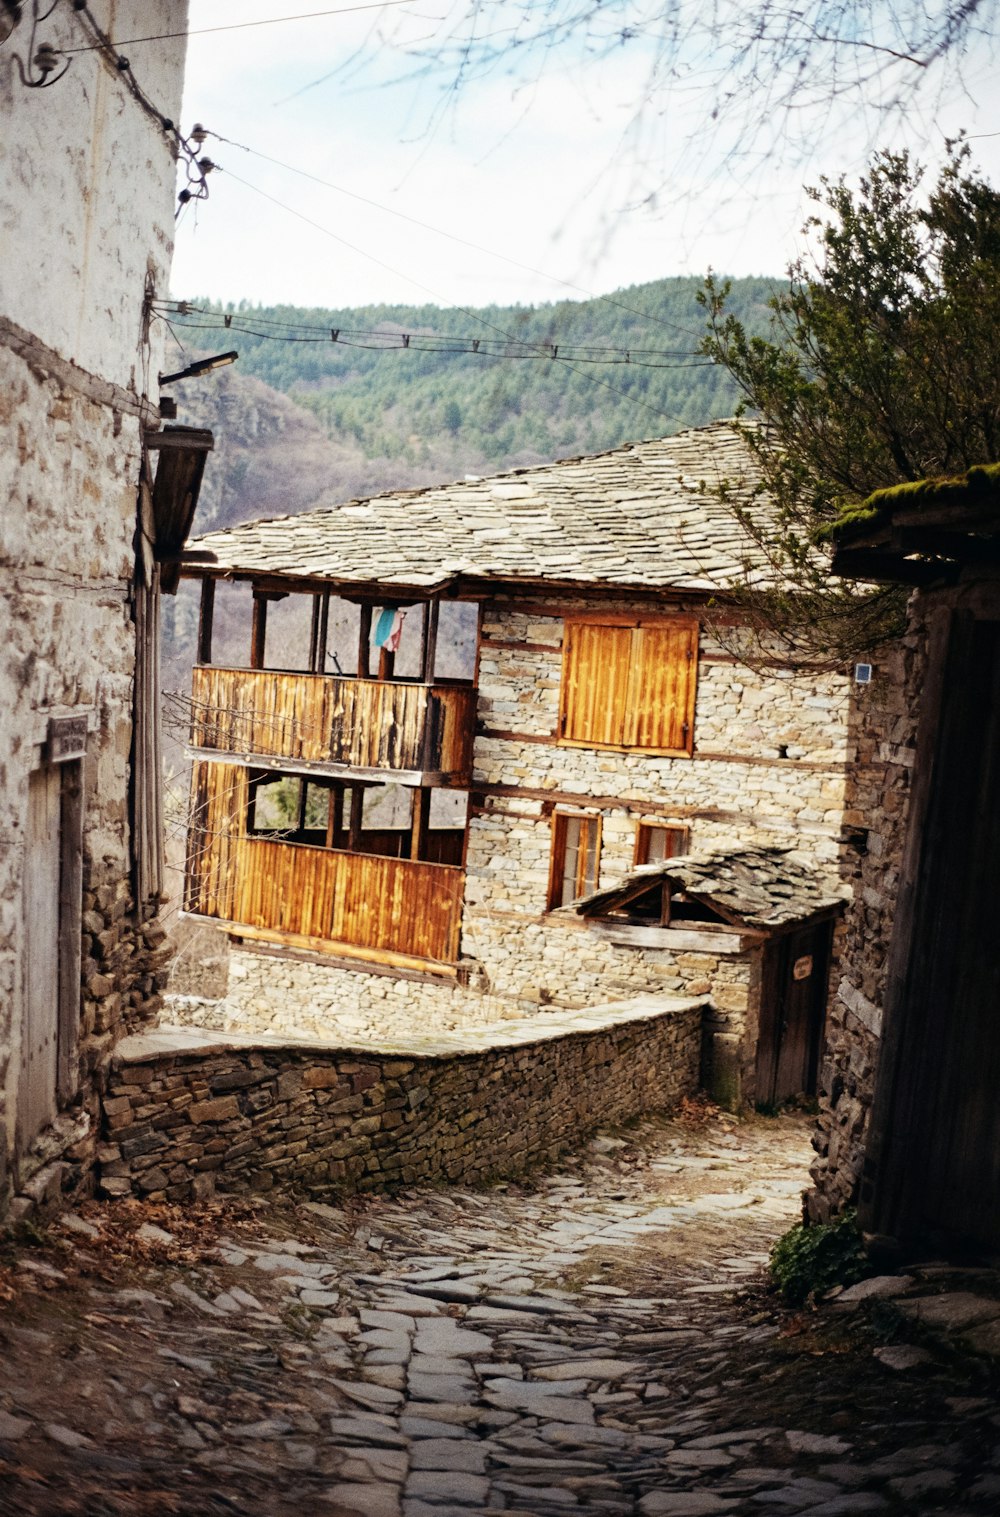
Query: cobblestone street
<point x="597" y="1341"/>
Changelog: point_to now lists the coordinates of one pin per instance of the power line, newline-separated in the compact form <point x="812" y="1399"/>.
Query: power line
<point x="424" y="342"/>
<point x="465" y="242"/>
<point x="326" y="232"/>
<point x="239" y="26"/>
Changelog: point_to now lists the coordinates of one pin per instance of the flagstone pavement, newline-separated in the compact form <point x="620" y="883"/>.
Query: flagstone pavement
<point x="597" y="1340"/>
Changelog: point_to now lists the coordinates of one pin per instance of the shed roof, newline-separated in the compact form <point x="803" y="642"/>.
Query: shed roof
<point x="761" y="888"/>
<point x="923" y="531"/>
<point x="642" y="515"/>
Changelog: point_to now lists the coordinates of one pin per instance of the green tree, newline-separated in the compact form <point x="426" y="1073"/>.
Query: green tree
<point x="882" y="366"/>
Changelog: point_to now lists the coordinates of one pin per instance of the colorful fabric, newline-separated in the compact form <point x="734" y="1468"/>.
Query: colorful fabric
<point x="389" y="628"/>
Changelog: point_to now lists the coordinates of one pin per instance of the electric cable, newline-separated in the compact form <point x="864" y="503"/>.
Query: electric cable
<point x="465" y="242"/>
<point x="239" y="26"/>
<point x="326" y="232"/>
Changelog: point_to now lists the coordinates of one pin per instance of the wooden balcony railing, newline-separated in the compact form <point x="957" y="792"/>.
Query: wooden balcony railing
<point x="321" y="718"/>
<point x="384" y="906"/>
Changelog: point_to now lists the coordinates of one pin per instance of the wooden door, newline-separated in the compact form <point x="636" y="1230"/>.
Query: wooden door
<point x="793" y="1005"/>
<point x="932" y="1169"/>
<point x="36" y="1093"/>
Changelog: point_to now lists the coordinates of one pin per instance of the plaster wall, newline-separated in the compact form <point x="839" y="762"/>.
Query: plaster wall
<point x="87" y="190"/>
<point x="86" y="207"/>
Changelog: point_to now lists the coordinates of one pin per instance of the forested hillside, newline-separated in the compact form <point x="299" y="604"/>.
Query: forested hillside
<point x="442" y="413"/>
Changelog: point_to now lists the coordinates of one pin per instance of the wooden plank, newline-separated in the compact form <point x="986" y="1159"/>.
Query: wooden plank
<point x="678" y="939"/>
<point x="70" y="903"/>
<point x="37" y="1079"/>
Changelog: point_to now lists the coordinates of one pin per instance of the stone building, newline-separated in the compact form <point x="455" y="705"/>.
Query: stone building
<point x="87" y="193"/>
<point x="444" y="715"/>
<point x="911" y="1125"/>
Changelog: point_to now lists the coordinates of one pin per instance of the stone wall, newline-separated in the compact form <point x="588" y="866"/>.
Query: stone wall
<point x="86" y="200"/>
<point x="185" y="1114"/>
<point x="883" y="729"/>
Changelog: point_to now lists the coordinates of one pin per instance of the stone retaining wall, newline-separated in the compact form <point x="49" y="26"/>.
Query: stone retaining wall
<point x="187" y="1113"/>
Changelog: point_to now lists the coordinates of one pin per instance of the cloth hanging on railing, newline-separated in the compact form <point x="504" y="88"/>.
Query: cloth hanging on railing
<point x="389" y="628"/>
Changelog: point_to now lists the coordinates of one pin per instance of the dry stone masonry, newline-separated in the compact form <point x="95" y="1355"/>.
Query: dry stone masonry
<point x="186" y="1113"/>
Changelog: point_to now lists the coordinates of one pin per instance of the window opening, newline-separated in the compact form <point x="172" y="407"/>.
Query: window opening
<point x="288" y="639"/>
<point x="657" y="841"/>
<point x="458" y="632"/>
<point x="231" y="621"/>
<point x="576" y="849"/>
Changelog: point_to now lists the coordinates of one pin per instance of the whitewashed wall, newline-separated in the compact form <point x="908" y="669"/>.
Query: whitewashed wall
<point x="87" y="197"/>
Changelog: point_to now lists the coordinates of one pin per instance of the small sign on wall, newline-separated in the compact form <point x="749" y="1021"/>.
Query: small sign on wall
<point x="802" y="968"/>
<point x="67" y="738"/>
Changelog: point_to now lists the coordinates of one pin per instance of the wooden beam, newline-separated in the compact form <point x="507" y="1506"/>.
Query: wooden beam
<point x="889" y="568"/>
<point x="206" y="616"/>
<point x="328" y="948"/>
<point x="386" y="663"/>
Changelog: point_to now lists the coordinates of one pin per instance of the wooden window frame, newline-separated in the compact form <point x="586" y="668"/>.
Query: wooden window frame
<point x="557" y="856"/>
<point x="642" y="834"/>
<point x="630" y="694"/>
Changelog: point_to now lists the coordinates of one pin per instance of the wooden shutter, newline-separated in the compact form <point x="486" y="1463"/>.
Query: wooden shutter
<point x="595" y="683"/>
<point x="659" y="706"/>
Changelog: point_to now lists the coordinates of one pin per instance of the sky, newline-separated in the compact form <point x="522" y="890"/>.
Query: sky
<point x="560" y="184"/>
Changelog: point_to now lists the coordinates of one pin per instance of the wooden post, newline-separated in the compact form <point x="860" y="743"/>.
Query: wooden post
<point x="314" y="633"/>
<point x="324" y="632"/>
<point x="386" y="663"/>
<point x="205" y="618"/>
<point x="258" y="631"/>
<point x="333" y="812"/>
<point x="357" y="805"/>
<point x="421" y="811"/>
<point x="364" y="642"/>
<point x="431" y="614"/>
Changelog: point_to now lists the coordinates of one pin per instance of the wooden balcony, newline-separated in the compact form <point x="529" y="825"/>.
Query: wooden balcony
<point x="376" y="726"/>
<point x="390" y="910"/>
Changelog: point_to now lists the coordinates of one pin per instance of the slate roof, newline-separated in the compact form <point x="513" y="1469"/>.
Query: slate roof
<point x="634" y="516"/>
<point x="752" y="887"/>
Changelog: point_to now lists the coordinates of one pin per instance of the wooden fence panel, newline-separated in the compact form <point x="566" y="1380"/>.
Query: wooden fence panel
<point x="367" y="724"/>
<point x="362" y="900"/>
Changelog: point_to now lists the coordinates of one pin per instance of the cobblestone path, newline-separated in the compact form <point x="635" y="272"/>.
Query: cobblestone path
<point x="599" y="1341"/>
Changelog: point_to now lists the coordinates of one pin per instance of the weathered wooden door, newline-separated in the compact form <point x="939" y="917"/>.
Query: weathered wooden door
<point x="36" y="1093"/>
<point x="793" y="1005"/>
<point x="933" y="1163"/>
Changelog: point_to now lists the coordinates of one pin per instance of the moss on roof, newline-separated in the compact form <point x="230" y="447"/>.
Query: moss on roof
<point x="981" y="485"/>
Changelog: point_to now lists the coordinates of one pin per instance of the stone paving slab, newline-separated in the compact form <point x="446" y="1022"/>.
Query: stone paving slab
<point x="520" y="1350"/>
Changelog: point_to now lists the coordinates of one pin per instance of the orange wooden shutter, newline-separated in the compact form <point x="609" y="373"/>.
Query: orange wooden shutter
<point x="659" y="708"/>
<point x="595" y="683"/>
